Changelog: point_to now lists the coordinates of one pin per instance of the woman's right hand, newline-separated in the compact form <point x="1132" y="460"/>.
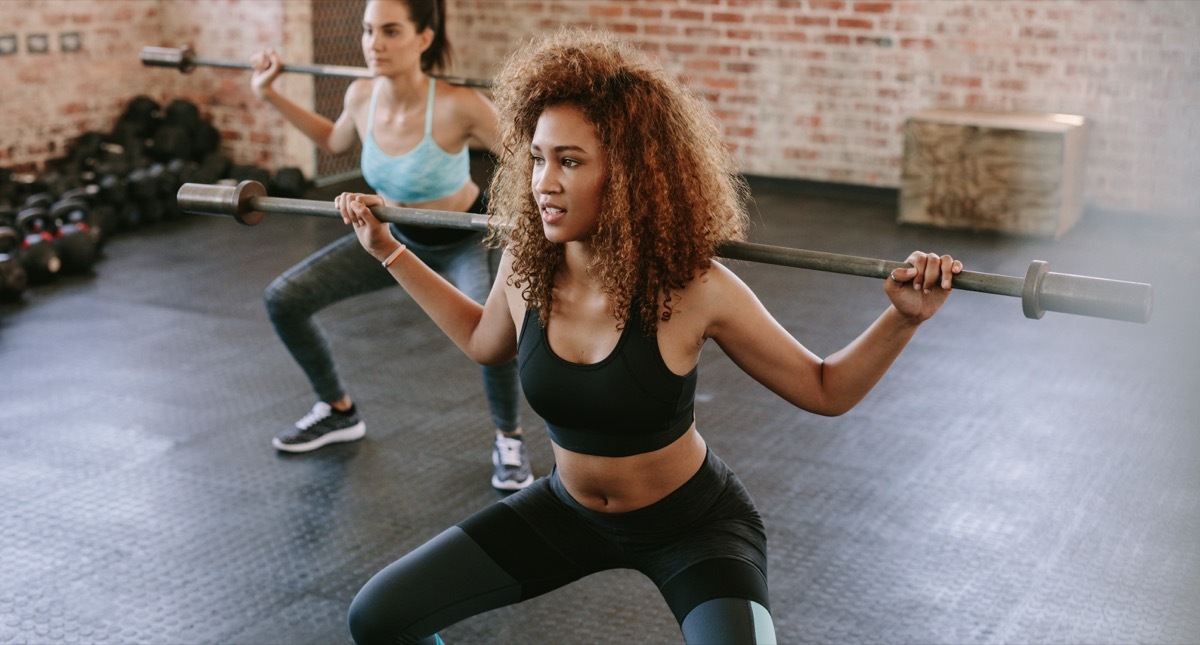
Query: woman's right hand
<point x="374" y="236"/>
<point x="266" y="66"/>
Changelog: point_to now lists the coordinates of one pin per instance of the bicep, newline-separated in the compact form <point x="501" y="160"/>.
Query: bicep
<point x="495" y="340"/>
<point x="760" y="346"/>
<point x="344" y="135"/>
<point x="483" y="120"/>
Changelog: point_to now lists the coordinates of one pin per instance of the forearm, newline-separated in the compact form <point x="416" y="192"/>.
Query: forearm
<point x="457" y="315"/>
<point x="849" y="374"/>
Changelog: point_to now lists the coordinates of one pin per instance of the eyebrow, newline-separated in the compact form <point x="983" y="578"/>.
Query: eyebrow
<point x="559" y="149"/>
<point x="383" y="26"/>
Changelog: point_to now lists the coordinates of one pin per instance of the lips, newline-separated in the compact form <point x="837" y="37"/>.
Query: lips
<point x="552" y="214"/>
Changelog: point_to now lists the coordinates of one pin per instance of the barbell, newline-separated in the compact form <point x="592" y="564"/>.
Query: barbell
<point x="185" y="60"/>
<point x="1040" y="290"/>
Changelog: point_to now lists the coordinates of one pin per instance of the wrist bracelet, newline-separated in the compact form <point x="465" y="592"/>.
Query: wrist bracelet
<point x="392" y="258"/>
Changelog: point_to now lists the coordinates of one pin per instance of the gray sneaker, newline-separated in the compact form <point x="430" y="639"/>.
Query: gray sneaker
<point x="322" y="425"/>
<point x="511" y="463"/>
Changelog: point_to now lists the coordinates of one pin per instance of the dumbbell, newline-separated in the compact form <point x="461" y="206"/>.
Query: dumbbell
<point x="13" y="277"/>
<point x="38" y="255"/>
<point x="75" y="238"/>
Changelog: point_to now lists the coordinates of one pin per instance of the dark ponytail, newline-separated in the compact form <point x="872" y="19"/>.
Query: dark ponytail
<point x="431" y="14"/>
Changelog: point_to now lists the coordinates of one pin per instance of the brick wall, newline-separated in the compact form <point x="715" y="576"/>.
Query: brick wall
<point x="811" y="89"/>
<point x="820" y="89"/>
<point x="50" y="98"/>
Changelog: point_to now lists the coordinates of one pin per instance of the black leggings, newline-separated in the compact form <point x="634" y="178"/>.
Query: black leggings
<point x="703" y="546"/>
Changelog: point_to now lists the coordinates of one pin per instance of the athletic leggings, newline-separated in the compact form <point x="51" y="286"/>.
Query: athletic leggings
<point x="703" y="546"/>
<point x="343" y="270"/>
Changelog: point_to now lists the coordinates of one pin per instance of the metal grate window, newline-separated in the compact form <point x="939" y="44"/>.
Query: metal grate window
<point x="337" y="29"/>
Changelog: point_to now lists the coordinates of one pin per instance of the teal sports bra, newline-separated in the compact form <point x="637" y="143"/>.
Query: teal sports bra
<point x="423" y="174"/>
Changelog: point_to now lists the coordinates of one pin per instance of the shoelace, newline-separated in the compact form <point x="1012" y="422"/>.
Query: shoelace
<point x="319" y="412"/>
<point x="510" y="451"/>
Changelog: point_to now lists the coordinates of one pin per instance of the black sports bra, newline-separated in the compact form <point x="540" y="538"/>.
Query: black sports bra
<point x="627" y="404"/>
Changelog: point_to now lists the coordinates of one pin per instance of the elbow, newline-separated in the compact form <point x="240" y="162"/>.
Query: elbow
<point x="490" y="361"/>
<point x="831" y="409"/>
<point x="491" y="358"/>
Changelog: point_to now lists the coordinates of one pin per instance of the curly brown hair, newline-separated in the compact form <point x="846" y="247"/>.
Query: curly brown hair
<point x="672" y="192"/>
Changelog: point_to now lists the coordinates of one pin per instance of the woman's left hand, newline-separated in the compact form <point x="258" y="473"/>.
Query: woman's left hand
<point x="919" y="291"/>
<point x="374" y="236"/>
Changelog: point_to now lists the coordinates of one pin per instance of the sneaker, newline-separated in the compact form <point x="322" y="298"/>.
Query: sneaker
<point x="321" y="426"/>
<point x="512" y="464"/>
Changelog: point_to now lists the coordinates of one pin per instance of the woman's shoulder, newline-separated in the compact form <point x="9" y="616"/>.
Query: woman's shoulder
<point x="459" y="97"/>
<point x="714" y="289"/>
<point x="358" y="94"/>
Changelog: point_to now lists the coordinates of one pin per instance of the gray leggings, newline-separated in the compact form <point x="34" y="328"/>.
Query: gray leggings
<point x="343" y="270"/>
<point x="703" y="546"/>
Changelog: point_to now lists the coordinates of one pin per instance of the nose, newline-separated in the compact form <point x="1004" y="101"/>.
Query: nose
<point x="545" y="181"/>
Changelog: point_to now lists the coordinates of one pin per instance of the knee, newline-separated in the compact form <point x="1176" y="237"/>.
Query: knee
<point x="729" y="620"/>
<point x="279" y="299"/>
<point x="367" y="623"/>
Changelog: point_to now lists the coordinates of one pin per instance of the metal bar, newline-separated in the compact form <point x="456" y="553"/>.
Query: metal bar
<point x="1001" y="285"/>
<point x="185" y="60"/>
<point x="1039" y="291"/>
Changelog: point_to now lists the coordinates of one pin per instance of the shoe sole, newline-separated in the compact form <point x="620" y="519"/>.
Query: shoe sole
<point x="353" y="433"/>
<point x="508" y="485"/>
<point x="511" y="485"/>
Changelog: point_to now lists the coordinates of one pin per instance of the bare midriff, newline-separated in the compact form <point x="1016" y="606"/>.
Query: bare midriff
<point x="623" y="484"/>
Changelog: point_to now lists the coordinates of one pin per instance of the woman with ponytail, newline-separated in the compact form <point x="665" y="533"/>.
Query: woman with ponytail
<point x="414" y="130"/>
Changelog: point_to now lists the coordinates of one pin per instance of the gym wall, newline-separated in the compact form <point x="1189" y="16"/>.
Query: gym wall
<point x="807" y="89"/>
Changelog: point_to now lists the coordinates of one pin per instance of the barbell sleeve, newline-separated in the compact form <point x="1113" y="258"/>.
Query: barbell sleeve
<point x="185" y="60"/>
<point x="1040" y="291"/>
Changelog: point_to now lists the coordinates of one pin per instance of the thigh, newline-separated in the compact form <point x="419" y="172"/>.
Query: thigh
<point x="447" y="579"/>
<point x="540" y="541"/>
<point x="338" y="271"/>
<point x="465" y="263"/>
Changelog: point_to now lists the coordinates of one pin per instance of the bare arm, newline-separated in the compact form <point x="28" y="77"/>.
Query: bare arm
<point x="333" y="137"/>
<point x="486" y="333"/>
<point x="479" y="115"/>
<point x="759" y="345"/>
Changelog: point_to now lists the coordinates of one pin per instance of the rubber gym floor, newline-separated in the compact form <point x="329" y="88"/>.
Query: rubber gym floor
<point x="1009" y="481"/>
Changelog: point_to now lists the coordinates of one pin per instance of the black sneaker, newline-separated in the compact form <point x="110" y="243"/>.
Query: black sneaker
<point x="512" y="464"/>
<point x="321" y="426"/>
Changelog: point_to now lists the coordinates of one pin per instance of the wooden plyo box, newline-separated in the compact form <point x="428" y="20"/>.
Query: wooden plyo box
<point x="1009" y="172"/>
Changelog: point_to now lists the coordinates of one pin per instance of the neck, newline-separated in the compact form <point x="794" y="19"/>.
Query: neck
<point x="407" y="89"/>
<point x="577" y="256"/>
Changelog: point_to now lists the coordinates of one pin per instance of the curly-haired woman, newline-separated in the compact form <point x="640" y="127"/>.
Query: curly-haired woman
<point x="613" y="191"/>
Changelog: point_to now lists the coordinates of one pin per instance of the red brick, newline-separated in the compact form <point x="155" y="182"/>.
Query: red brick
<point x="961" y="81"/>
<point x="696" y="65"/>
<point x="812" y="21"/>
<point x="855" y="23"/>
<point x="743" y="34"/>
<point x="770" y="18"/>
<point x="872" y="7"/>
<point x="701" y="33"/>
<point x="660" y="29"/>
<point x="645" y="12"/>
<point x="605" y="11"/>
<point x="686" y="14"/>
